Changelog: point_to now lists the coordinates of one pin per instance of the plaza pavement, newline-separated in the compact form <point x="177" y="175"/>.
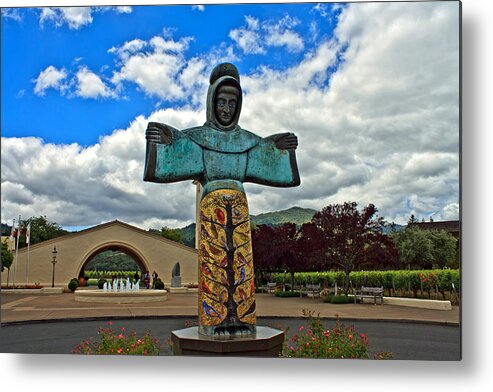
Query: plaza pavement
<point x="31" y="308"/>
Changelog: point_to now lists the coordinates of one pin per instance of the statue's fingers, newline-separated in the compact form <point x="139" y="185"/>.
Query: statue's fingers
<point x="156" y="125"/>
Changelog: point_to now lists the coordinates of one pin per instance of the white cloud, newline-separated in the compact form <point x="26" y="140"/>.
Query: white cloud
<point x="256" y="35"/>
<point x="75" y="17"/>
<point x="248" y="38"/>
<point x="160" y="68"/>
<point x="51" y="77"/>
<point x="90" y="85"/>
<point x="11" y="13"/>
<point x="198" y="7"/>
<point x="382" y="129"/>
<point x="123" y="10"/>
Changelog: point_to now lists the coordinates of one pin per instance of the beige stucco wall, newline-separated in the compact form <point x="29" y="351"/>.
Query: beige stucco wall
<point x="74" y="250"/>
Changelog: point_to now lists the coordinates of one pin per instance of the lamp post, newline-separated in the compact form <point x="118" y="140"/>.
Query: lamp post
<point x="54" y="252"/>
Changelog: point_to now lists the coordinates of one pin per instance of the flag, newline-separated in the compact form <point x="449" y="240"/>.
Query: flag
<point x="28" y="233"/>
<point x="12" y="232"/>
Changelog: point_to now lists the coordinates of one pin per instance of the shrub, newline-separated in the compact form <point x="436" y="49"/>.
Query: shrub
<point x="158" y="284"/>
<point x="92" y="282"/>
<point x="73" y="284"/>
<point x="101" y="283"/>
<point x="316" y="342"/>
<point x="287" y="294"/>
<point x="119" y="344"/>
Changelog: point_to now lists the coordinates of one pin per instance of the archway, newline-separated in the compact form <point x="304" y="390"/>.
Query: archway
<point x="135" y="255"/>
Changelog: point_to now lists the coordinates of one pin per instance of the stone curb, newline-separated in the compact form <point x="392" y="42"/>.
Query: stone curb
<point x="345" y="319"/>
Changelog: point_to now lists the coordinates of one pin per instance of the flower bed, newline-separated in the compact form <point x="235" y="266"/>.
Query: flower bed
<point x="114" y="343"/>
<point x="339" y="342"/>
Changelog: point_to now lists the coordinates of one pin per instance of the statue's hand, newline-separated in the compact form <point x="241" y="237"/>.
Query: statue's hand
<point x="286" y="141"/>
<point x="159" y="133"/>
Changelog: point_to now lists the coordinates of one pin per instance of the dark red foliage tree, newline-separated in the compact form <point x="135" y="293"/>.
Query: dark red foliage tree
<point x="349" y="239"/>
<point x="262" y="245"/>
<point x="279" y="248"/>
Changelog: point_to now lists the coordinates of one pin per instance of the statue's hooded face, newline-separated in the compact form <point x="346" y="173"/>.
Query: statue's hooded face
<point x="224" y="98"/>
<point x="225" y="104"/>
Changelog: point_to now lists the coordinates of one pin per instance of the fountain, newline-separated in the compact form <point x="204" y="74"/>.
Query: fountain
<point x="120" y="292"/>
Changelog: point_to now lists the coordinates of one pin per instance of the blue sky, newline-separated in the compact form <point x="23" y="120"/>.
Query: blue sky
<point x="371" y="90"/>
<point x="29" y="46"/>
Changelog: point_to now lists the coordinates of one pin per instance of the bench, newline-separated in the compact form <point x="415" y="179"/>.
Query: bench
<point x="313" y="289"/>
<point x="369" y="292"/>
<point x="269" y="288"/>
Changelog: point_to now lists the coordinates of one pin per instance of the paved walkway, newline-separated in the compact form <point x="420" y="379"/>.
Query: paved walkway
<point x="26" y="307"/>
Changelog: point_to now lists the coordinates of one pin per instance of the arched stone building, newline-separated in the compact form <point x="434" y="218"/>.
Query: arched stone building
<point x="151" y="252"/>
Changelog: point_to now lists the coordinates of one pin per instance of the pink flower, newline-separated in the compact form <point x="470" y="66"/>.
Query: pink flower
<point x="119" y="351"/>
<point x="120" y="336"/>
<point x="301" y="328"/>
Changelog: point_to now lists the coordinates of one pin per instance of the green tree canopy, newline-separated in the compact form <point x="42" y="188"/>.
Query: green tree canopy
<point x="171" y="234"/>
<point x="7" y="257"/>
<point x="425" y="249"/>
<point x="42" y="229"/>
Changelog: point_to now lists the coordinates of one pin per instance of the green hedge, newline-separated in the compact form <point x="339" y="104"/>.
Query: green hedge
<point x="403" y="280"/>
<point x="91" y="274"/>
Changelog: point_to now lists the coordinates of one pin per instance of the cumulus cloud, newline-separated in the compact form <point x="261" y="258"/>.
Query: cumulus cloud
<point x="256" y="36"/>
<point x="75" y="17"/>
<point x="11" y="13"/>
<point x="90" y="85"/>
<point x="382" y="128"/>
<point x="198" y="7"/>
<point x="160" y="67"/>
<point x="51" y="77"/>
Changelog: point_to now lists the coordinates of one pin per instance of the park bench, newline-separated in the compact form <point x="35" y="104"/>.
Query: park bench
<point x="369" y="292"/>
<point x="268" y="288"/>
<point x="311" y="289"/>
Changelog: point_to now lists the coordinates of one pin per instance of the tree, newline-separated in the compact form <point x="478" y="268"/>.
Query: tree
<point x="42" y="229"/>
<point x="279" y="248"/>
<point x="262" y="240"/>
<point x="349" y="239"/>
<point x="171" y="234"/>
<point x="415" y="248"/>
<point x="425" y="249"/>
<point x="7" y="259"/>
<point x="444" y="248"/>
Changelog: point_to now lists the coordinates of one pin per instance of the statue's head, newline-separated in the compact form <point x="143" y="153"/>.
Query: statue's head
<point x="224" y="97"/>
<point x="225" y="104"/>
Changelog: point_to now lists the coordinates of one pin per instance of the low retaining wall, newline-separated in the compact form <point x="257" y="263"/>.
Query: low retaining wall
<point x="417" y="303"/>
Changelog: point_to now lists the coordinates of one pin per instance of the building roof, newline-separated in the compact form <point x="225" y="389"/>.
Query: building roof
<point x="448" y="226"/>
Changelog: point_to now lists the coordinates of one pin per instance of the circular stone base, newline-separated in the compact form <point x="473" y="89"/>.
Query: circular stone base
<point x="267" y="342"/>
<point x="123" y="297"/>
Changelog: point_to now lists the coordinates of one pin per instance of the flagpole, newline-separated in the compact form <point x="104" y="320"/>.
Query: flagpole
<point x="17" y="249"/>
<point x="12" y="245"/>
<point x="28" y="240"/>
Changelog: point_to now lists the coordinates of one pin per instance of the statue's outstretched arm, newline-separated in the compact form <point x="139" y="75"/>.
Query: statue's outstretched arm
<point x="160" y="133"/>
<point x="284" y="141"/>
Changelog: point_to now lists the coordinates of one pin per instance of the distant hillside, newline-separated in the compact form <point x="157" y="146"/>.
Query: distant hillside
<point x="388" y="229"/>
<point x="188" y="235"/>
<point x="295" y="215"/>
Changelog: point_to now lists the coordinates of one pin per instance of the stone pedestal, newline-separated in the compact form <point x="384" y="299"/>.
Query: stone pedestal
<point x="267" y="342"/>
<point x="176" y="281"/>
